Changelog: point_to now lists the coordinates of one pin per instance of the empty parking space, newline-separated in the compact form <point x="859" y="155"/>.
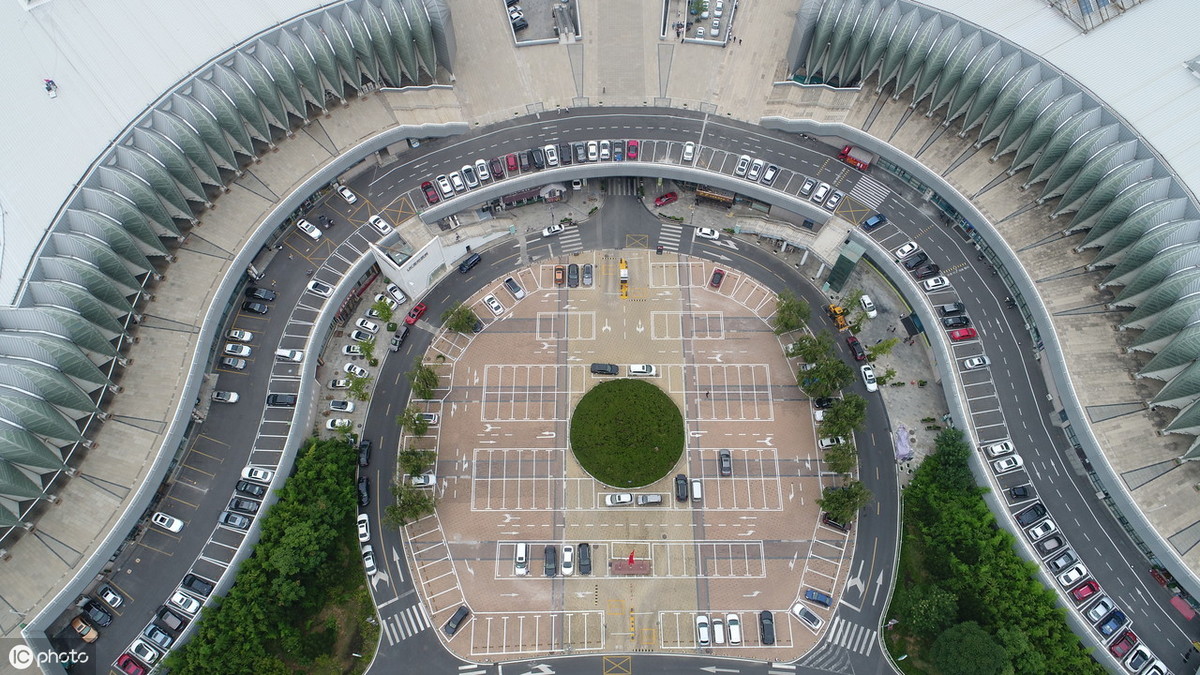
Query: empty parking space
<point x="690" y="325"/>
<point x="565" y="325"/>
<point x="516" y="479"/>
<point x="533" y="632"/>
<point x="733" y="392"/>
<point x="522" y="392"/>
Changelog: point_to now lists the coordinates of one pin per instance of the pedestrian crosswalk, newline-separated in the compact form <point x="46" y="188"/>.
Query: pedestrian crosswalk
<point x="570" y="240"/>
<point x="617" y="187"/>
<point x="405" y="624"/>
<point x="668" y="236"/>
<point x="869" y="191"/>
<point x="852" y="636"/>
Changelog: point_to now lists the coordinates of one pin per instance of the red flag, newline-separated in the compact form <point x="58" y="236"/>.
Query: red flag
<point x="631" y="557"/>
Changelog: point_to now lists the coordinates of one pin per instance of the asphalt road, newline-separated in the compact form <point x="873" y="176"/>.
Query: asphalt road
<point x="1108" y="554"/>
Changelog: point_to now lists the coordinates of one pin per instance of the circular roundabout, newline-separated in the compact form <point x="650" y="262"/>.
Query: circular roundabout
<point x="627" y="433"/>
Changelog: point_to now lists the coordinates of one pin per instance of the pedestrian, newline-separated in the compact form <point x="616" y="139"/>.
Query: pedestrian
<point x="879" y="340"/>
<point x="739" y="41"/>
<point x="707" y="394"/>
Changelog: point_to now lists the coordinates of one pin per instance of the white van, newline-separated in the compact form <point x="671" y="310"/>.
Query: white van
<point x="522" y="560"/>
<point x="697" y="492"/>
<point x="734" y="625"/>
<point x="718" y="631"/>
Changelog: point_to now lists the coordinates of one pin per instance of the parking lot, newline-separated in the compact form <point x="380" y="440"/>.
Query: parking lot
<point x="507" y="477"/>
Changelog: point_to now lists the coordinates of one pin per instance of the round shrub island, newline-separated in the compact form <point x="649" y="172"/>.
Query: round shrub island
<point x="627" y="433"/>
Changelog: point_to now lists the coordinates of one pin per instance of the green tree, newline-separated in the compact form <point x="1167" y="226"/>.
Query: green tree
<point x="882" y="349"/>
<point x="1024" y="656"/>
<point x="929" y="610"/>
<point x="412" y="421"/>
<point x="886" y="377"/>
<point x="343" y="431"/>
<point x="968" y="649"/>
<point x="411" y="504"/>
<point x="842" y="458"/>
<point x="367" y="347"/>
<point x="358" y="387"/>
<point x="846" y="415"/>
<point x="826" y="377"/>
<point x="459" y="318"/>
<point x="857" y="314"/>
<point x="414" y="462"/>
<point x="812" y="348"/>
<point x="383" y="309"/>
<point x="791" y="313"/>
<point x="424" y="380"/>
<point x="842" y="503"/>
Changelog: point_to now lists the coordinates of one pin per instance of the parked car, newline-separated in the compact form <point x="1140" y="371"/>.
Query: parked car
<point x="1121" y="646"/>
<point x="976" y="362"/>
<point x="1084" y="591"/>
<point x="619" y="499"/>
<point x="84" y="629"/>
<point x="166" y="522"/>
<point x="856" y="348"/>
<point x="585" y="558"/>
<point x="806" y="616"/>
<point x="868" y="376"/>
<point x="668" y="198"/>
<point x="681" y="488"/>
<point x="243" y="505"/>
<point x="725" y="462"/>
<point x="110" y="596"/>
<point x="199" y="585"/>
<point x="766" y="627"/>
<point x="718" y="276"/>
<point x="253" y="489"/>
<point x="817" y="597"/>
<point x="234" y="520"/>
<point x="550" y="560"/>
<point x="1031" y="515"/>
<point x="1008" y="464"/>
<point x="431" y="194"/>
<point x="258" y="474"/>
<point x="963" y="334"/>
<point x="255" y="307"/>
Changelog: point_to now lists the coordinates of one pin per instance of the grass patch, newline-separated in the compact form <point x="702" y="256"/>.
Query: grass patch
<point x="627" y="433"/>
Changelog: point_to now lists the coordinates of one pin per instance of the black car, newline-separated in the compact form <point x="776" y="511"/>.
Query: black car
<point x="1019" y="492"/>
<point x="253" y="489"/>
<point x="823" y="403"/>
<point x="584" y="551"/>
<point x="281" y="400"/>
<point x="520" y="24"/>
<point x="170" y="620"/>
<point x="915" y="260"/>
<point x="478" y="326"/>
<point x="264" y="294"/>
<point x="828" y="521"/>
<point x="364" y="452"/>
<point x="539" y="158"/>
<point x="564" y="154"/>
<point x="955" y="321"/>
<point x="523" y="156"/>
<point x="766" y="626"/>
<point x="580" y="152"/>
<point x="605" y="369"/>
<point x="243" y="505"/>
<point x="455" y="621"/>
<point x="255" y="307"/>
<point x="551" y="565"/>
<point x="926" y="271"/>
<point x="681" y="488"/>
<point x="198" y="585"/>
<point x="1031" y="515"/>
<point x="573" y="275"/>
<point x="364" y="491"/>
<point x="234" y="520"/>
<point x="96" y="614"/>
<point x="158" y="636"/>
<point x="952" y="308"/>
<point x="1049" y="545"/>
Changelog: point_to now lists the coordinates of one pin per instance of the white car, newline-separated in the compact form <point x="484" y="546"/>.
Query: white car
<point x="619" y="499"/>
<point x="364" y="528"/>
<point x="1068" y="578"/>
<point x="568" y="560"/>
<point x="355" y="370"/>
<point x="827" y="443"/>
<point x="821" y="192"/>
<point x="185" y="602"/>
<point x="834" y="200"/>
<point x="593" y="151"/>
<point x="1008" y="464"/>
<point x="800" y="611"/>
<point x="689" y="151"/>
<point x="321" y="289"/>
<point x="605" y="151"/>
<point x="493" y="304"/>
<point x="339" y="384"/>
<point x="643" y="369"/>
<point x="225" y="397"/>
<point x="379" y="224"/>
<point x="743" y="163"/>
<point x="976" y="362"/>
<point x="457" y="181"/>
<point x="234" y="349"/>
<point x="998" y="449"/>
<point x="309" y="229"/>
<point x="444" y="187"/>
<point x="702" y="632"/>
<point x="906" y="250"/>
<point x="868" y="306"/>
<point x="392" y="304"/>
<point x="168" y="523"/>
<point x="1042" y="529"/>
<point x="394" y="291"/>
<point x="240" y="335"/>
<point x="258" y="474"/>
<point x="936" y="283"/>
<point x="335" y="423"/>
<point x="369" y="326"/>
<point x="361" y="336"/>
<point x="734" y="625"/>
<point x="756" y="167"/>
<point x="347" y="194"/>
<point x="553" y="230"/>
<point x="468" y="174"/>
<point x="481" y="170"/>
<point x="368" y="555"/>
<point x="868" y="376"/>
<point x="142" y="650"/>
<point x="707" y="233"/>
<point x="424" y="480"/>
<point x="551" y="155"/>
<point x="341" y="405"/>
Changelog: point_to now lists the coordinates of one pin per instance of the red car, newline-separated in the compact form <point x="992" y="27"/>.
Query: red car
<point x="856" y="348"/>
<point x="666" y="199"/>
<point x="631" y="149"/>
<point x="415" y="313"/>
<point x="718" y="276"/>
<point x="431" y="193"/>
<point x="1123" y="644"/>
<point x="511" y="161"/>
<point x="127" y="664"/>
<point x="963" y="334"/>
<point x="1084" y="591"/>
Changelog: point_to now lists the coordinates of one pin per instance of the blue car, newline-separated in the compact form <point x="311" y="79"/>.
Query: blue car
<point x="874" y="221"/>
<point x="1113" y="622"/>
<point x="818" y="598"/>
